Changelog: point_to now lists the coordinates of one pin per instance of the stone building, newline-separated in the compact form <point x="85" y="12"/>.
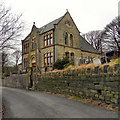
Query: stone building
<point x="55" y="40"/>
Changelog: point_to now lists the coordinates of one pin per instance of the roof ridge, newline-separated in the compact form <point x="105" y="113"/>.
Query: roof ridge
<point x="49" y="26"/>
<point x="51" y="22"/>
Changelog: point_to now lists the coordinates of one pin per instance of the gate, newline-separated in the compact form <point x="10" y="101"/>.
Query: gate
<point x="30" y="77"/>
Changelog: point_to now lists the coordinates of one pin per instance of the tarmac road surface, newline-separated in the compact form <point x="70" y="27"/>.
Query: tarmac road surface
<point x="29" y="104"/>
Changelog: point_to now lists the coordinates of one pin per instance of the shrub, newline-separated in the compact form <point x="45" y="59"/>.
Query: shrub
<point x="60" y="64"/>
<point x="6" y="74"/>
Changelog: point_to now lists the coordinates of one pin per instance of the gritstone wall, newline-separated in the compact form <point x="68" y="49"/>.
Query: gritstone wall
<point x="15" y="80"/>
<point x="97" y="84"/>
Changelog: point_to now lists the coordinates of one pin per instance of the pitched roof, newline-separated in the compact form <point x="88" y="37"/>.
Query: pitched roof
<point x="27" y="38"/>
<point x="45" y="28"/>
<point x="85" y="46"/>
<point x="49" y="26"/>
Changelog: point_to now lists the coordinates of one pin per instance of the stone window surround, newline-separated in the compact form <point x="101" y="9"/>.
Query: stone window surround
<point x="68" y="38"/>
<point x="48" y="58"/>
<point x="26" y="48"/>
<point x="25" y="62"/>
<point x="48" y="37"/>
<point x="71" y="39"/>
<point x="70" y="55"/>
<point x="33" y="61"/>
<point x="33" y="44"/>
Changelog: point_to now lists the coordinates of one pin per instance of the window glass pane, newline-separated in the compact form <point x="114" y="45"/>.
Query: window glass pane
<point x="25" y="49"/>
<point x="48" y="60"/>
<point x="71" y="39"/>
<point x="67" y="54"/>
<point x="51" y="54"/>
<point x="51" y="41"/>
<point x="45" y="37"/>
<point x="45" y="42"/>
<point x="66" y="38"/>
<point x="48" y="36"/>
<point x="45" y="60"/>
<point x="34" y="45"/>
<point x="72" y="58"/>
<point x="45" y="55"/>
<point x="48" y="41"/>
<point x="51" y="60"/>
<point x="48" y="54"/>
<point x="51" y="35"/>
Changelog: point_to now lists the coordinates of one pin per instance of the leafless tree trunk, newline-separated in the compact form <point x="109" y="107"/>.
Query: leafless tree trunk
<point x="17" y="55"/>
<point x="95" y="39"/>
<point x="10" y="28"/>
<point x="111" y="39"/>
<point x="4" y="61"/>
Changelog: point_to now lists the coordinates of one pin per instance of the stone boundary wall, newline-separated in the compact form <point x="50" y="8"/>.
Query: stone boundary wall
<point x="15" y="80"/>
<point x="97" y="84"/>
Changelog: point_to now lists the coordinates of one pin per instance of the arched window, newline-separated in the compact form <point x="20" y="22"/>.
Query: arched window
<point x="71" y="40"/>
<point x="25" y="62"/>
<point x="72" y="58"/>
<point x="66" y="38"/>
<point x="33" y="44"/>
<point x="67" y="54"/>
<point x="33" y="61"/>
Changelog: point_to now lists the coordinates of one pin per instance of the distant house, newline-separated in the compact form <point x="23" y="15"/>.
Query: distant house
<point x="55" y="40"/>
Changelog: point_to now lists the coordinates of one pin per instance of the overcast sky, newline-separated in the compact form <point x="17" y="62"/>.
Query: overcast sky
<point x="88" y="14"/>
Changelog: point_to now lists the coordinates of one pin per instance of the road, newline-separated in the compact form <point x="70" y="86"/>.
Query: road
<point x="29" y="104"/>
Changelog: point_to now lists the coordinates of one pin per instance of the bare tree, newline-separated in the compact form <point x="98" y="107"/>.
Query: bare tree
<point x="10" y="28"/>
<point x="4" y="61"/>
<point x="95" y="39"/>
<point x="17" y="55"/>
<point x="111" y="39"/>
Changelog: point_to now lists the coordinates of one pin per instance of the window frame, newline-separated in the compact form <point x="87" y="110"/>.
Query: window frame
<point x="26" y="48"/>
<point x="48" y="57"/>
<point x="67" y="54"/>
<point x="51" y="58"/>
<point x="25" y="62"/>
<point x="66" y="38"/>
<point x="71" y="39"/>
<point x="33" y="46"/>
<point x="47" y="39"/>
<point x="72" y="57"/>
<point x="45" y="59"/>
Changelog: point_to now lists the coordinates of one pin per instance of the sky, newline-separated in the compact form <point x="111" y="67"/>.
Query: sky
<point x="87" y="14"/>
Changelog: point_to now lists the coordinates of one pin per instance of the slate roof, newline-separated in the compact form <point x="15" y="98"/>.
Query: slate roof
<point x="45" y="28"/>
<point x="85" y="46"/>
<point x="49" y="26"/>
<point x="27" y="38"/>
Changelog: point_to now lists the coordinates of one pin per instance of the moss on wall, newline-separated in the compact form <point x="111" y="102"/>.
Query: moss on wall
<point x="85" y="83"/>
